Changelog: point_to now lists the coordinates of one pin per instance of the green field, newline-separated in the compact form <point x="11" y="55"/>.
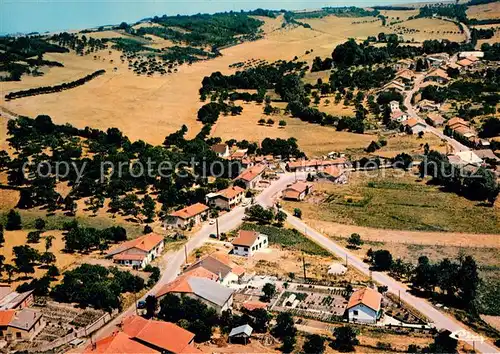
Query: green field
<point x="288" y="238"/>
<point x="399" y="204"/>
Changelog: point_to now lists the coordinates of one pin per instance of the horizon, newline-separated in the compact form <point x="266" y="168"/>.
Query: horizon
<point x="59" y="16"/>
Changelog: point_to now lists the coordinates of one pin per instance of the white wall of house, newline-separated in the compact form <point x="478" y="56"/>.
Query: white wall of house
<point x="418" y="128"/>
<point x="362" y="313"/>
<point x="260" y="243"/>
<point x="179" y="222"/>
<point x="148" y="257"/>
<point x="230" y="278"/>
<point x="224" y="203"/>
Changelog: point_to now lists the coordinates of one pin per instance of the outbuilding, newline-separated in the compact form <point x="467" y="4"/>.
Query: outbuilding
<point x="240" y="334"/>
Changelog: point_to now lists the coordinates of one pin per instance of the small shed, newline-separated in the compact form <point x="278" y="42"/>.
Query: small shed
<point x="240" y="334"/>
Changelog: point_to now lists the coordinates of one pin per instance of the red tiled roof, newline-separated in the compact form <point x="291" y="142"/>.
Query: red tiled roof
<point x="190" y="211"/>
<point x="253" y="305"/>
<point x="368" y="297"/>
<point x="231" y="192"/>
<point x="164" y="335"/>
<point x="291" y="194"/>
<point x="119" y="342"/>
<point x="457" y="120"/>
<point x="201" y="272"/>
<point x="333" y="171"/>
<point x="316" y="163"/>
<point x="251" y="173"/>
<point x="299" y="186"/>
<point x="128" y="257"/>
<point x="6" y="316"/>
<point x="245" y="238"/>
<point x="179" y="285"/>
<point x="464" y="62"/>
<point x="144" y="243"/>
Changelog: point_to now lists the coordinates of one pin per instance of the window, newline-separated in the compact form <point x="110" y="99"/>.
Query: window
<point x="246" y="249"/>
<point x="18" y="334"/>
<point x="355" y="312"/>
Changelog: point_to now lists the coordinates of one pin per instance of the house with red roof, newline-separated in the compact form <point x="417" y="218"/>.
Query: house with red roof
<point x="364" y="306"/>
<point x="188" y="216"/>
<point x="138" y="335"/>
<point x="140" y="252"/>
<point x="226" y="199"/>
<point x="297" y="191"/>
<point x="248" y="242"/>
<point x="252" y="176"/>
<point x="20" y="325"/>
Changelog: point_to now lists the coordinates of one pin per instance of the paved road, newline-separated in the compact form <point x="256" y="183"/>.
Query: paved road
<point x="439" y="319"/>
<point x="457" y="147"/>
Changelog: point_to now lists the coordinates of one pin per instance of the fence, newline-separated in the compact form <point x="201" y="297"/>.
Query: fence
<point x="84" y="332"/>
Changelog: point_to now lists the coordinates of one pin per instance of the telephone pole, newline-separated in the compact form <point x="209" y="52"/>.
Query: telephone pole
<point x="217" y="227"/>
<point x="304" y="265"/>
<point x="186" y="253"/>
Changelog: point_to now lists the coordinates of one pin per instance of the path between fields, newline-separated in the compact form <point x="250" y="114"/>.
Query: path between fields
<point x="407" y="237"/>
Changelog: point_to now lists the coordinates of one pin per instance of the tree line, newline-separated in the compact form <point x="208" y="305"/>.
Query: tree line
<point x="51" y="89"/>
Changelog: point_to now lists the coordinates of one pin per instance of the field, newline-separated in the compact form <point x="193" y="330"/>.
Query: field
<point x="430" y="28"/>
<point x="134" y="104"/>
<point x="399" y="203"/>
<point x="484" y="12"/>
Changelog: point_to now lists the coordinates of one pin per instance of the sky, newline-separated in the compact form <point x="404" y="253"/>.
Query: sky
<point x="59" y="15"/>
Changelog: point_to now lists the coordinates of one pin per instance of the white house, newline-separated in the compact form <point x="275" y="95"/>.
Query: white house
<point x="415" y="126"/>
<point x="364" y="306"/>
<point x="222" y="150"/>
<point x="226" y="199"/>
<point x="297" y="191"/>
<point x="191" y="215"/>
<point x="225" y="272"/>
<point x="399" y="116"/>
<point x="248" y="242"/>
<point x="394" y="106"/>
<point x="140" y="252"/>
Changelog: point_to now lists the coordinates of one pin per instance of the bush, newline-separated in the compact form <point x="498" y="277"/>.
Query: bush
<point x="13" y="221"/>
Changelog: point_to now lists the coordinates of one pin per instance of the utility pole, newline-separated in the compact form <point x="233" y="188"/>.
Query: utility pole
<point x="186" y="253"/>
<point x="304" y="266"/>
<point x="346" y="263"/>
<point x="135" y="302"/>
<point x="399" y="296"/>
<point x="217" y="227"/>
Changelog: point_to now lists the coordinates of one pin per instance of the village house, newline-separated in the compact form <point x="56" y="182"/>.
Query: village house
<point x="216" y="267"/>
<point x="316" y="165"/>
<point x="209" y="292"/>
<point x="297" y="191"/>
<point x="461" y="127"/>
<point x="440" y="76"/>
<point x="222" y="150"/>
<point x="403" y="64"/>
<point x="466" y="63"/>
<point x="140" y="252"/>
<point x="20" y="324"/>
<point x="334" y="174"/>
<point x="405" y="74"/>
<point x="252" y="176"/>
<point x="188" y="216"/>
<point x="13" y="300"/>
<point x="487" y="155"/>
<point x="437" y="59"/>
<point x="415" y="126"/>
<point x="472" y="54"/>
<point x="248" y="242"/>
<point x="239" y="154"/>
<point x="364" y="306"/>
<point x="427" y="106"/>
<point x="435" y="119"/>
<point x="226" y="199"/>
<point x="139" y="335"/>
<point x="395" y="85"/>
<point x="399" y="116"/>
<point x="394" y="105"/>
<point x="469" y="158"/>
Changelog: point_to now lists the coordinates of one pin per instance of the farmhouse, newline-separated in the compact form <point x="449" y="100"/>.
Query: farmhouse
<point x="248" y="242"/>
<point x="12" y="300"/>
<point x="226" y="199"/>
<point x="427" y="105"/>
<point x="225" y="272"/>
<point x="20" y="325"/>
<point x="222" y="150"/>
<point x="364" y="306"/>
<point x="399" y="116"/>
<point x="395" y="85"/>
<point x="297" y="191"/>
<point x="315" y="165"/>
<point x="207" y="291"/>
<point x="334" y="174"/>
<point x="415" y="126"/>
<point x="435" y="119"/>
<point x="138" y="335"/>
<point x="466" y="63"/>
<point x="252" y="176"/>
<point x="439" y="76"/>
<point x="140" y="252"/>
<point x="189" y="216"/>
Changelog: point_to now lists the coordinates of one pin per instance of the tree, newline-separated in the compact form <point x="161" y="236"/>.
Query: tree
<point x="282" y="123"/>
<point x="10" y="270"/>
<point x="48" y="242"/>
<point x="262" y="121"/>
<point x="285" y="326"/>
<point x="468" y="281"/>
<point x="261" y="320"/>
<point x="382" y="260"/>
<point x="424" y="276"/>
<point x="297" y="213"/>
<point x="24" y="258"/>
<point x="314" y="344"/>
<point x="269" y="290"/>
<point x="288" y="344"/>
<point x="280" y="217"/>
<point x="443" y="343"/>
<point x="355" y="241"/>
<point x="2" y="238"/>
<point x="151" y="306"/>
<point x="270" y="121"/>
<point x="147" y="229"/>
<point x="148" y="208"/>
<point x="403" y="161"/>
<point x="33" y="237"/>
<point x="39" y="224"/>
<point x="13" y="221"/>
<point x="52" y="271"/>
<point x="47" y="258"/>
<point x="345" y="339"/>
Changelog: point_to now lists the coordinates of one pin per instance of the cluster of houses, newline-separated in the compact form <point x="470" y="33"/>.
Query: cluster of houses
<point x="17" y="321"/>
